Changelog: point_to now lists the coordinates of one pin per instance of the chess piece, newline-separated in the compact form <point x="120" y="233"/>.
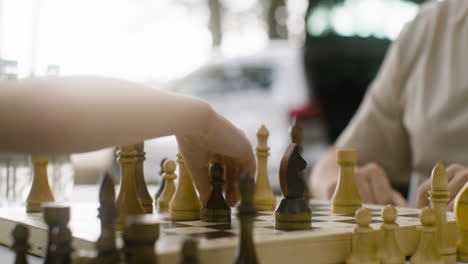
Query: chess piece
<point x="185" y="204"/>
<point x="346" y="199"/>
<point x="363" y="245"/>
<point x="40" y="189"/>
<point x="163" y="182"/>
<point x="216" y="209"/>
<point x="140" y="235"/>
<point x="20" y="243"/>
<point x="128" y="201"/>
<point x="63" y="248"/>
<point x="296" y="133"/>
<point x="293" y="212"/>
<point x="389" y="252"/>
<point x="140" y="181"/>
<point x="189" y="252"/>
<point x="169" y="188"/>
<point x="264" y="197"/>
<point x="246" y="213"/>
<point x="427" y="251"/>
<point x="461" y="216"/>
<point x="439" y="197"/>
<point x="56" y="217"/>
<point x="106" y="248"/>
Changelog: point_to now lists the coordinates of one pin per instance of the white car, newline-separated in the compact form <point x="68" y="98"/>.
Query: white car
<point x="249" y="91"/>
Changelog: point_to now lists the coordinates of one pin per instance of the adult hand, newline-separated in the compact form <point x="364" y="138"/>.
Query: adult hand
<point x="222" y="138"/>
<point x="457" y="176"/>
<point x="374" y="186"/>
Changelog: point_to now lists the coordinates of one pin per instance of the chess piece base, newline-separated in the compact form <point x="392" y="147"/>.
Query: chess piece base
<point x="293" y="214"/>
<point x="291" y="226"/>
<point x="210" y="215"/>
<point x="147" y="205"/>
<point x="462" y="248"/>
<point x="345" y="208"/>
<point x="188" y="215"/>
<point x="35" y="207"/>
<point x="462" y="256"/>
<point x="163" y="208"/>
<point x="450" y="257"/>
<point x="265" y="206"/>
<point x="361" y="261"/>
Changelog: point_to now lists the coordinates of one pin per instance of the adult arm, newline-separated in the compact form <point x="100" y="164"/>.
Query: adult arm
<point x="377" y="130"/>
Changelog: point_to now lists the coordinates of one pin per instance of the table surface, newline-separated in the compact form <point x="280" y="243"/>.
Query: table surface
<point x="81" y="193"/>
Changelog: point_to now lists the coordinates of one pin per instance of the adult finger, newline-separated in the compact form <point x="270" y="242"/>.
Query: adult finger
<point x="451" y="205"/>
<point x="196" y="160"/>
<point x="364" y="187"/>
<point x="457" y="182"/>
<point x="331" y="189"/>
<point x="398" y="199"/>
<point x="422" y="194"/>
<point x="453" y="169"/>
<point x="380" y="186"/>
<point x="224" y="138"/>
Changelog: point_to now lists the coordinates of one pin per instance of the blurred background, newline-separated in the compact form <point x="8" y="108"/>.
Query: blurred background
<point x="256" y="61"/>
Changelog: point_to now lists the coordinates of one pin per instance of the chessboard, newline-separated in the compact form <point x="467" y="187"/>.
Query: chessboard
<point x="328" y="241"/>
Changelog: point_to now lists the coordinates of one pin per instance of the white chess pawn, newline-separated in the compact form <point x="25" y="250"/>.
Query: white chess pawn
<point x="427" y="251"/>
<point x="169" y="188"/>
<point x="389" y="252"/>
<point x="346" y="199"/>
<point x="363" y="249"/>
<point x="185" y="204"/>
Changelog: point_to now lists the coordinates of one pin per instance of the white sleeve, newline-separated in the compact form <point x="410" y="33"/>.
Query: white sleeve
<point x="377" y="130"/>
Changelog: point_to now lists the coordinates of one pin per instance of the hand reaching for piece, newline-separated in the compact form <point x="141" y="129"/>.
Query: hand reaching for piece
<point x="374" y="186"/>
<point x="223" y="138"/>
<point x="85" y="113"/>
<point x="457" y="176"/>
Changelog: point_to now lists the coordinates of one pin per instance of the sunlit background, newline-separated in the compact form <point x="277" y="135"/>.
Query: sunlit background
<point x="165" y="39"/>
<point x="245" y="57"/>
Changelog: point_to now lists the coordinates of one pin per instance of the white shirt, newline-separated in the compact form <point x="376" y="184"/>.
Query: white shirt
<point x="416" y="110"/>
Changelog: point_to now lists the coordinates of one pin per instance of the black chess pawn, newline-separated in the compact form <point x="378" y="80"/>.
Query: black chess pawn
<point x="108" y="213"/>
<point x="20" y="245"/>
<point x="63" y="247"/>
<point x="189" y="252"/>
<point x="216" y="209"/>
<point x="246" y="214"/>
<point x="57" y="217"/>
<point x="163" y="181"/>
<point x="140" y="235"/>
<point x="293" y="212"/>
